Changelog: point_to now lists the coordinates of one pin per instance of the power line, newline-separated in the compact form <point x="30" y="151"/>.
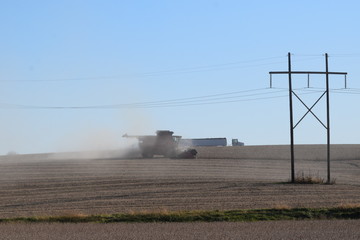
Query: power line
<point x="346" y="55"/>
<point x="352" y="89"/>
<point x="330" y="55"/>
<point x="333" y="90"/>
<point x="206" y="97"/>
<point x="212" y="67"/>
<point x="185" y="70"/>
<point x="204" y="68"/>
<point x="221" y="98"/>
<point x="231" y="101"/>
<point x="346" y="92"/>
<point x="200" y="100"/>
<point x="208" y="68"/>
<point x="206" y="101"/>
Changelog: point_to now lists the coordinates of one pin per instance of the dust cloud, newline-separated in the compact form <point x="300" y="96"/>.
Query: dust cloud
<point x="96" y="143"/>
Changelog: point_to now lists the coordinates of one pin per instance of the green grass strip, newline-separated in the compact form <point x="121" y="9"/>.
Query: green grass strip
<point x="202" y="216"/>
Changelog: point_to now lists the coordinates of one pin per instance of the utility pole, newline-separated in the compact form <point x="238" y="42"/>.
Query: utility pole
<point x="328" y="116"/>
<point x="291" y="122"/>
<point x="293" y="93"/>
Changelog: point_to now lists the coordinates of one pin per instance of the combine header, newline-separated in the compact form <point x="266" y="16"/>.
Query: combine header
<point x="163" y="143"/>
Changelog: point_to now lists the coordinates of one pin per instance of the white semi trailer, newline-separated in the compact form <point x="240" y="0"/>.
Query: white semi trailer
<point x="203" y="142"/>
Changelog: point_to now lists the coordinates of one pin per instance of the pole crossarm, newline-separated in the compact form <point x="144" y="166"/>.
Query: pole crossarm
<point x="307" y="72"/>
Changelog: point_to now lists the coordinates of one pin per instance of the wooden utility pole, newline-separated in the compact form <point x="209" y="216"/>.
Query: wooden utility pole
<point x="291" y="122"/>
<point x="328" y="116"/>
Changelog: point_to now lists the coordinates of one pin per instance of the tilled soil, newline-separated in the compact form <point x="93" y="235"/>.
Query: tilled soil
<point x="311" y="230"/>
<point x="42" y="185"/>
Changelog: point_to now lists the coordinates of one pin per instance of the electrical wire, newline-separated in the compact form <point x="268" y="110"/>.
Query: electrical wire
<point x="229" y="97"/>
<point x="346" y="92"/>
<point x="346" y="55"/>
<point x="352" y="89"/>
<point x="189" y="70"/>
<point x="221" y="98"/>
<point x="212" y="67"/>
<point x="201" y="100"/>
<point x="333" y="90"/>
<point x="204" y="68"/>
<point x="329" y="55"/>
<point x="208" y="100"/>
<point x="233" y="101"/>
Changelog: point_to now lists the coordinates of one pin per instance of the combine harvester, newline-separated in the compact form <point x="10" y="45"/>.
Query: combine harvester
<point x="163" y="143"/>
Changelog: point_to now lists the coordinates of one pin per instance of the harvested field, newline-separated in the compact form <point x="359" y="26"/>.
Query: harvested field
<point x="312" y="230"/>
<point x="49" y="185"/>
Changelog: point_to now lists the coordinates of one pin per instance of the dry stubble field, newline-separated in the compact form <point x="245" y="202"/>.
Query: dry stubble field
<point x="309" y="230"/>
<point x="33" y="185"/>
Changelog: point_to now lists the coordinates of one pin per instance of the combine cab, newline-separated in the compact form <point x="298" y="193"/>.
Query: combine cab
<point x="163" y="143"/>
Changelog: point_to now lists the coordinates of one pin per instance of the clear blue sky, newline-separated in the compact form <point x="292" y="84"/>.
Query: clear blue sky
<point x="108" y="53"/>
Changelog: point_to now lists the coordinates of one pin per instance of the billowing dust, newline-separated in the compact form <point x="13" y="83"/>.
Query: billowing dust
<point x="95" y="144"/>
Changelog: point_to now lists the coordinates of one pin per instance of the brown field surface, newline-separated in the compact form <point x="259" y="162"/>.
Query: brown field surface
<point x="44" y="184"/>
<point x="310" y="230"/>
